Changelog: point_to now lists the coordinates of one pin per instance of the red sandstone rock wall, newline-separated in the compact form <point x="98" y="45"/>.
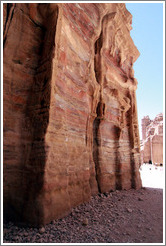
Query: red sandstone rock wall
<point x="70" y="114"/>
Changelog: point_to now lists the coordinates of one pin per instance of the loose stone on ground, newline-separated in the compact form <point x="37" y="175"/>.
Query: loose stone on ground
<point x="118" y="217"/>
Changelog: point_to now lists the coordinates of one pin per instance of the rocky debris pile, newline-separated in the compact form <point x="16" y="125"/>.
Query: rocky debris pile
<point x="133" y="216"/>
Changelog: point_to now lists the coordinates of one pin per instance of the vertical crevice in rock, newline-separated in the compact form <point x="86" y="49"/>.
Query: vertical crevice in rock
<point x="99" y="111"/>
<point x="132" y="162"/>
<point x="118" y="164"/>
<point x="97" y="58"/>
<point x="131" y="137"/>
<point x="97" y="144"/>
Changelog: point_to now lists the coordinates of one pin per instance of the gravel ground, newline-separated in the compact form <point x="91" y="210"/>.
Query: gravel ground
<point x="133" y="216"/>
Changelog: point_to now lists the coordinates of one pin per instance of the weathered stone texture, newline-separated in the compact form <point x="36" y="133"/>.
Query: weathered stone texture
<point x="70" y="114"/>
<point x="152" y="140"/>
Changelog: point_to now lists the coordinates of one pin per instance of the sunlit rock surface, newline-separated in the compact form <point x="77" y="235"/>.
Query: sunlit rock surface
<point x="70" y="113"/>
<point x="152" y="140"/>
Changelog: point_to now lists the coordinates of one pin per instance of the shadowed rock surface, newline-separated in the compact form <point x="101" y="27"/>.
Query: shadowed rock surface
<point x="70" y="114"/>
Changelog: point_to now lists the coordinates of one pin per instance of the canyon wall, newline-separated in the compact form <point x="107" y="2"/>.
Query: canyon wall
<point x="70" y="113"/>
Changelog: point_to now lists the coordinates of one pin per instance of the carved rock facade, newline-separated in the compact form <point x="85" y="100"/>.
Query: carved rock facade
<point x="70" y="114"/>
<point x="152" y="140"/>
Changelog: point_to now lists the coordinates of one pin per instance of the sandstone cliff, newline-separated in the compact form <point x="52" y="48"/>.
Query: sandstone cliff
<point x="70" y="114"/>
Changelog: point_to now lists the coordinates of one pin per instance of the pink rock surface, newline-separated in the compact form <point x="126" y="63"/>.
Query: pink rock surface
<point x="152" y="140"/>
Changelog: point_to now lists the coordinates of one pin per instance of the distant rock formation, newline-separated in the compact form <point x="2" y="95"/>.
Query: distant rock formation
<point x="152" y="140"/>
<point x="70" y="114"/>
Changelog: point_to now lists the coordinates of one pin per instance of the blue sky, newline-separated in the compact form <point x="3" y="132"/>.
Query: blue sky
<point x="147" y="34"/>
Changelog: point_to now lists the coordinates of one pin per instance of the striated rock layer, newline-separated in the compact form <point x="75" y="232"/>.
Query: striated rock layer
<point x="70" y="114"/>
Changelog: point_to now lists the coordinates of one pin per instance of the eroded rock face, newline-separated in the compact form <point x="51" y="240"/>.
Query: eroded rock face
<point x="152" y="140"/>
<point x="70" y="115"/>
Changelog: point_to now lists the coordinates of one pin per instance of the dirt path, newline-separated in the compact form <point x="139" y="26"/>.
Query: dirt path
<point x="133" y="216"/>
